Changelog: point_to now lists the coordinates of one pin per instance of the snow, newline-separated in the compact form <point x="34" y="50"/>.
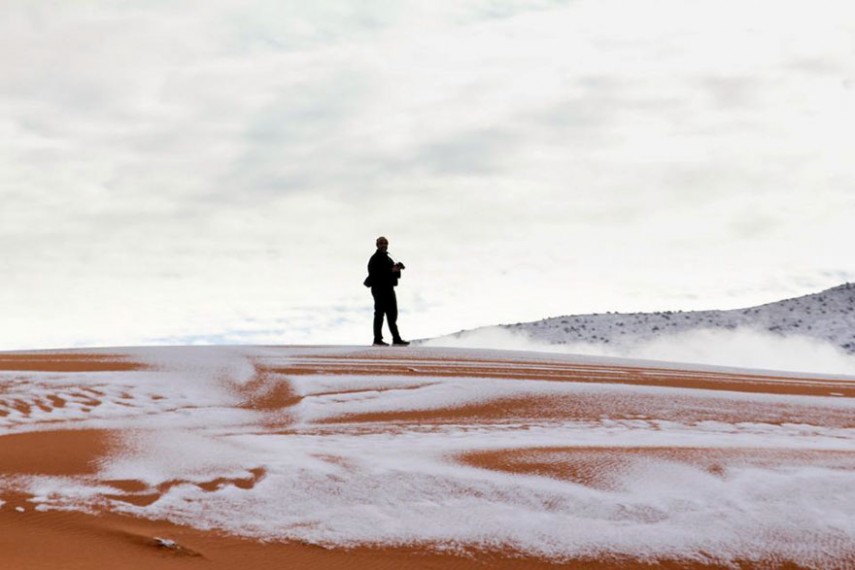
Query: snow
<point x="813" y="333"/>
<point x="291" y="474"/>
<point x="166" y="543"/>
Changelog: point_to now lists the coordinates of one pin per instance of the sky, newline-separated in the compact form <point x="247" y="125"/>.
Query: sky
<point x="217" y="171"/>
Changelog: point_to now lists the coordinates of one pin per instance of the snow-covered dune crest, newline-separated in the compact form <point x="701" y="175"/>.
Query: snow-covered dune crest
<point x="546" y="457"/>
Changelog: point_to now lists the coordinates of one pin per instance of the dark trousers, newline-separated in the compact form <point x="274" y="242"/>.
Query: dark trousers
<point x="385" y="303"/>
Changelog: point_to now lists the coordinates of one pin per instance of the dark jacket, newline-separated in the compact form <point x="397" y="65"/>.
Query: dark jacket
<point x="380" y="274"/>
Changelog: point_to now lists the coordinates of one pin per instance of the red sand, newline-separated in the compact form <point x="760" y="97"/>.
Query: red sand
<point x="72" y="540"/>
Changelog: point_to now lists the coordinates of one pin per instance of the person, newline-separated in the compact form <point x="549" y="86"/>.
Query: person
<point x="383" y="275"/>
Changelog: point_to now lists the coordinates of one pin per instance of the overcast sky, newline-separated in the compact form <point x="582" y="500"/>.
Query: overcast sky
<point x="218" y="170"/>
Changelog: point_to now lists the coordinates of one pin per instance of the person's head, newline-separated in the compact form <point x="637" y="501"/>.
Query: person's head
<point x="382" y="243"/>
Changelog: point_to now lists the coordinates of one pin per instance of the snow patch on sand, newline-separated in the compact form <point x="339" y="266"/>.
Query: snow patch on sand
<point x="289" y="474"/>
<point x="404" y="488"/>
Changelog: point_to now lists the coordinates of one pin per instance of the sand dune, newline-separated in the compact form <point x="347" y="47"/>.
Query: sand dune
<point x="336" y="457"/>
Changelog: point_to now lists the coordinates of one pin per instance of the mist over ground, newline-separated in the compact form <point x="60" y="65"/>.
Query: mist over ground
<point x="742" y="348"/>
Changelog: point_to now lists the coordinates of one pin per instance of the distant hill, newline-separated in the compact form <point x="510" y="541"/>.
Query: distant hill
<point x="829" y="315"/>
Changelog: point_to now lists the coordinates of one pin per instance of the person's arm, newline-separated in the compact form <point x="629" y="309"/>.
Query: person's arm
<point x="373" y="269"/>
<point x="379" y="268"/>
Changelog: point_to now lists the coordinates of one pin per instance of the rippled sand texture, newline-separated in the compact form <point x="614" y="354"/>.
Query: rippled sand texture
<point x="337" y="457"/>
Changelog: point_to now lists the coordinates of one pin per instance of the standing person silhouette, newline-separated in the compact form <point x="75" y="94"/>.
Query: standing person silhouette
<point x="383" y="275"/>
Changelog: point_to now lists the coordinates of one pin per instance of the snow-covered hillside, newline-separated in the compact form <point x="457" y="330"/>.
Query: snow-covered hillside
<point x="829" y="316"/>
